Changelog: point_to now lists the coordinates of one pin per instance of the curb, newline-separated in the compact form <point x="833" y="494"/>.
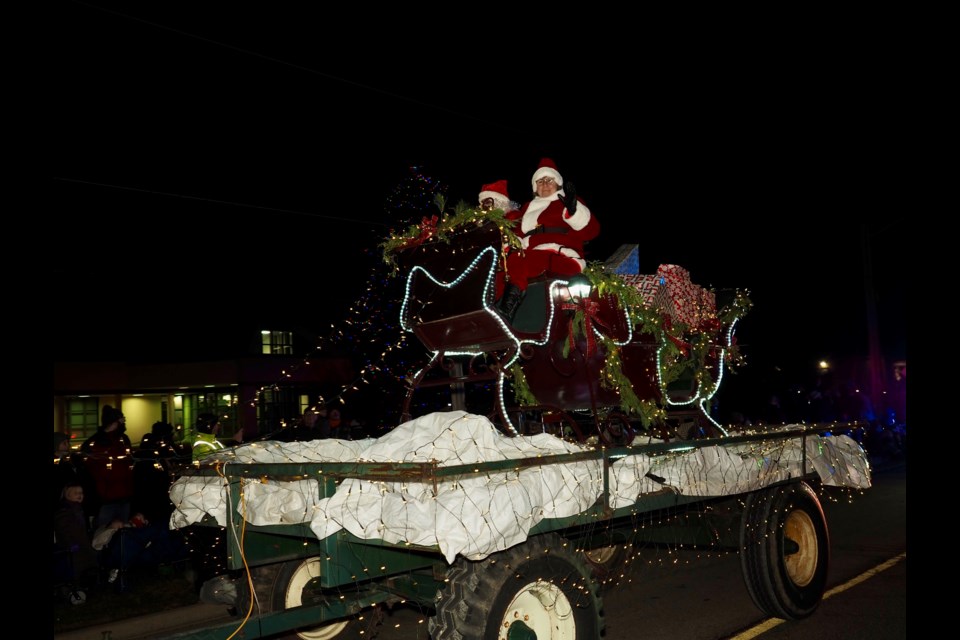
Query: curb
<point x="153" y="625"/>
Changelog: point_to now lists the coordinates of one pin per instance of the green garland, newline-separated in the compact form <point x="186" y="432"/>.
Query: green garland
<point x="446" y="227"/>
<point x="521" y="388"/>
<point x="674" y="363"/>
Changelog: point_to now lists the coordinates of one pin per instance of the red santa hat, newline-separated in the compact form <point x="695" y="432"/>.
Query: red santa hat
<point x="498" y="191"/>
<point x="547" y="169"/>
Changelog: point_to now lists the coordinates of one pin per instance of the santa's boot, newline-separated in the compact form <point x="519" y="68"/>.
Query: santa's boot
<point x="512" y="296"/>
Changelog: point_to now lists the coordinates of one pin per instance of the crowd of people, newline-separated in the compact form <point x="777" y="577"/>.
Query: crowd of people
<point x="108" y="487"/>
<point x="111" y="503"/>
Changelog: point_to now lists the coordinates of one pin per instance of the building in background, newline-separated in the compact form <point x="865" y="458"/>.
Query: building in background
<point x="254" y="392"/>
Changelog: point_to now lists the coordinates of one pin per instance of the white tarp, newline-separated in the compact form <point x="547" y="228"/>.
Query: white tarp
<point x="478" y="514"/>
<point x="740" y="468"/>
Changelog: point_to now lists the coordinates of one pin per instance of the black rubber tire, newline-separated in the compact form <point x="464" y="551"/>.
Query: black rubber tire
<point x="278" y="587"/>
<point x="785" y="550"/>
<point x="540" y="584"/>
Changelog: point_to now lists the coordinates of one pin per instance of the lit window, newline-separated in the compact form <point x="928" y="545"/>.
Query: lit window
<point x="83" y="417"/>
<point x="276" y="343"/>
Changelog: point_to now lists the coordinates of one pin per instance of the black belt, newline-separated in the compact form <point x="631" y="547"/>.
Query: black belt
<point x="548" y="230"/>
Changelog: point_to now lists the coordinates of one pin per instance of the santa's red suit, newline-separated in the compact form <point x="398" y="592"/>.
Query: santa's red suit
<point x="552" y="239"/>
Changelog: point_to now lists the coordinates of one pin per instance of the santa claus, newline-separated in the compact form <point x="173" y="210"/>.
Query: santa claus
<point x="553" y="228"/>
<point x="494" y="196"/>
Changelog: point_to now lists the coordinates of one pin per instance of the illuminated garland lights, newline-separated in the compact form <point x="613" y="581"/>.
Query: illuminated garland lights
<point x="443" y="229"/>
<point x="672" y="364"/>
<point x="484" y="254"/>
<point x="682" y="348"/>
<point x="672" y="361"/>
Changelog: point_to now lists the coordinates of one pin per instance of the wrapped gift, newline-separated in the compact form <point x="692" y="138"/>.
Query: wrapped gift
<point x="677" y="303"/>
<point x="708" y="305"/>
<point x="682" y="300"/>
<point x="671" y="291"/>
<point x="624" y="261"/>
<point x="674" y="275"/>
<point x="647" y="285"/>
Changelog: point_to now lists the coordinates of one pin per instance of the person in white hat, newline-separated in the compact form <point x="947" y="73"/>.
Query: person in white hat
<point x="553" y="228"/>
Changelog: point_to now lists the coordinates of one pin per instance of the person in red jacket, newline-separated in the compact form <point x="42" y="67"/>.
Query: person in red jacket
<point x="553" y="228"/>
<point x="110" y="462"/>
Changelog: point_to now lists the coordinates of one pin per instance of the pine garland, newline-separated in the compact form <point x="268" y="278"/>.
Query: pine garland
<point x="675" y="363"/>
<point x="442" y="229"/>
<point x="521" y="388"/>
<point x="683" y="350"/>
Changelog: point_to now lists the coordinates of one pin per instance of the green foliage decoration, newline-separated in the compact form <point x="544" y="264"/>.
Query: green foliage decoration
<point x="683" y="350"/>
<point x="521" y="388"/>
<point x="445" y="227"/>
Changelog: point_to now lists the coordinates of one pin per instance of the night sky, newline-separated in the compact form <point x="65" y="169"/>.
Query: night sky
<point x="193" y="150"/>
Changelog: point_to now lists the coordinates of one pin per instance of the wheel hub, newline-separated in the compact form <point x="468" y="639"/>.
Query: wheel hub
<point x="306" y="572"/>
<point x="800" y="548"/>
<point x="539" y="610"/>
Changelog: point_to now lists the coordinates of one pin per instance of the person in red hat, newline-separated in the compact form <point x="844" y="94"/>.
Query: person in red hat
<point x="494" y="196"/>
<point x="553" y="228"/>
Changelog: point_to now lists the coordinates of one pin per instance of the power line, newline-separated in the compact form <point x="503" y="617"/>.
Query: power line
<point x="221" y="202"/>
<point x="303" y="68"/>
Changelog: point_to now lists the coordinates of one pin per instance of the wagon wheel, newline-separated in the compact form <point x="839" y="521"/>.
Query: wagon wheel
<point x="538" y="589"/>
<point x="785" y="550"/>
<point x="280" y="586"/>
<point x="606" y="559"/>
